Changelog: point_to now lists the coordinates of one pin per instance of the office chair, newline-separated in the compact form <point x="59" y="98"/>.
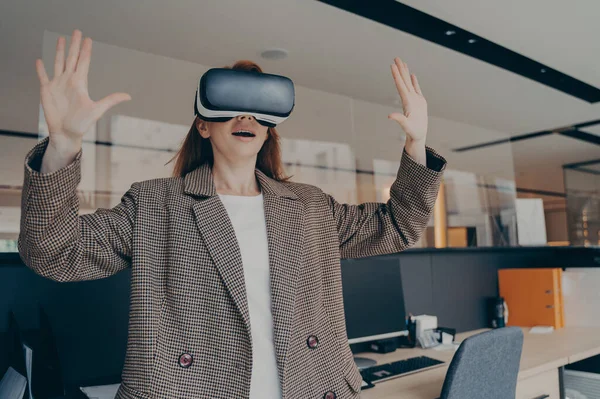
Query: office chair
<point x="486" y="366"/>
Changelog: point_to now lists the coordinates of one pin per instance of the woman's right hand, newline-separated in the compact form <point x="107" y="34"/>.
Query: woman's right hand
<point x="68" y="109"/>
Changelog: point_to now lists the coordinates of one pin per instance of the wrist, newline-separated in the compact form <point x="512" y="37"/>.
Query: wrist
<point x="64" y="145"/>
<point x="412" y="143"/>
<point x="416" y="150"/>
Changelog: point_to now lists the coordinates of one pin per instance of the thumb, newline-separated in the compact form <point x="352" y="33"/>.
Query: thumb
<point x="108" y="102"/>
<point x="398" y="117"/>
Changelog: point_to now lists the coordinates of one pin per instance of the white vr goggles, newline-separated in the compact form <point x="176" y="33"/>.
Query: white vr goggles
<point x="225" y="93"/>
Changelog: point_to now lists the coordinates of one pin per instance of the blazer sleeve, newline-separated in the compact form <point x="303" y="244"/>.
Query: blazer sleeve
<point x="373" y="228"/>
<point x="59" y="244"/>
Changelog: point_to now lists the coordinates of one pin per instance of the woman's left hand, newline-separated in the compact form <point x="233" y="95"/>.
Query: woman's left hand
<point x="414" y="118"/>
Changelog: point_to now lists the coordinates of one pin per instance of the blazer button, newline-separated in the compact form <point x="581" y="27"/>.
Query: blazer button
<point x="186" y="360"/>
<point x="329" y="395"/>
<point x="312" y="342"/>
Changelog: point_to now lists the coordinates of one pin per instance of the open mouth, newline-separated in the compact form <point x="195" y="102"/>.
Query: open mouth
<point x="243" y="133"/>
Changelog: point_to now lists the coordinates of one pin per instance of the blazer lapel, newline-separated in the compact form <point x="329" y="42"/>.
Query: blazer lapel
<point x="284" y="215"/>
<point x="217" y="231"/>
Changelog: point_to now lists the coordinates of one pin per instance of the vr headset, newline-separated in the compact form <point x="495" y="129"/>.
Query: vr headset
<point x="225" y="93"/>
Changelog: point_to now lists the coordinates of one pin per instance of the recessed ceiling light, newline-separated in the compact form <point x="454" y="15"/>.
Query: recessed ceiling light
<point x="542" y="70"/>
<point x="275" y="54"/>
<point x="472" y="41"/>
<point x="450" y="32"/>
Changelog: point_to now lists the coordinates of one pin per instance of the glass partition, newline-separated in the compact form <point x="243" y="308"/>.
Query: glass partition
<point x="582" y="185"/>
<point x="347" y="146"/>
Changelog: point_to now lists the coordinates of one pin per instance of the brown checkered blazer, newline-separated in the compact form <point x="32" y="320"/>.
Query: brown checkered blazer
<point x="189" y="327"/>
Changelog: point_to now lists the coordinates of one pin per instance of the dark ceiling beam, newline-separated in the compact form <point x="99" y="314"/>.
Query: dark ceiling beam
<point x="410" y="20"/>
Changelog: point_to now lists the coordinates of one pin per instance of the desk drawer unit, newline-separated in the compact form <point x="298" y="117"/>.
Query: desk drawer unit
<point x="544" y="385"/>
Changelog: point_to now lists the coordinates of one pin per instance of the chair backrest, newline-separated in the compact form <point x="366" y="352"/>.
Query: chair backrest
<point x="485" y="365"/>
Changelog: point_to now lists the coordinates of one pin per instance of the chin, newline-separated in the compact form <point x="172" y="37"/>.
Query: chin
<point x="245" y="153"/>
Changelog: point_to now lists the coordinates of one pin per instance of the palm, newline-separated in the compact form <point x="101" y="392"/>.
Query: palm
<point x="68" y="109"/>
<point x="413" y="119"/>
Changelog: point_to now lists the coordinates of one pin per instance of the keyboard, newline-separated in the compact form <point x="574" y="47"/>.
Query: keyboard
<point x="400" y="368"/>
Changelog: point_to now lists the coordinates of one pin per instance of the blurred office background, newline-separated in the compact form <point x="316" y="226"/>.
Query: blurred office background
<point x="513" y="89"/>
<point x="524" y="156"/>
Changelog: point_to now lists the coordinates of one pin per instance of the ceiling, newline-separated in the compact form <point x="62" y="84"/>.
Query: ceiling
<point x="343" y="53"/>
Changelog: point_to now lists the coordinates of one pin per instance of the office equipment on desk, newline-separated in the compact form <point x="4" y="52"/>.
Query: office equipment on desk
<point x="101" y="391"/>
<point x="446" y="341"/>
<point x="446" y="347"/>
<point x="383" y="372"/>
<point x="428" y="339"/>
<point x="541" y="365"/>
<point x="373" y="304"/>
<point x="424" y="330"/>
<point x="425" y="322"/>
<point x="12" y="385"/>
<point x="541" y="330"/>
<point x="447" y="338"/>
<point x="45" y="378"/>
<point x="374" y="309"/>
<point x="485" y="365"/>
<point x="33" y="355"/>
<point x="384" y="345"/>
<point x="28" y="353"/>
<point x="497" y="312"/>
<point x="427" y="332"/>
<point x="16" y="371"/>
<point x="534" y="296"/>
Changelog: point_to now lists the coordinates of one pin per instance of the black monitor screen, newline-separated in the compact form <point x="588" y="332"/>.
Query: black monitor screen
<point x="373" y="298"/>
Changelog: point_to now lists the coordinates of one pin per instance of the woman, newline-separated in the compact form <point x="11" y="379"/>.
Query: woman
<point x="235" y="272"/>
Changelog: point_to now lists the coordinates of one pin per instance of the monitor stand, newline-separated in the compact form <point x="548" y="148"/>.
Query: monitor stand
<point x="364" y="362"/>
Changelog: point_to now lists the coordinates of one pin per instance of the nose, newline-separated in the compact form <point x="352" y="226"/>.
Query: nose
<point x="245" y="117"/>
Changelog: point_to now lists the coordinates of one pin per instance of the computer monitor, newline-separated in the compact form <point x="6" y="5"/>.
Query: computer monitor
<point x="373" y="299"/>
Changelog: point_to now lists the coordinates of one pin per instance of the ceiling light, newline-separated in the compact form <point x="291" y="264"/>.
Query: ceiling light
<point x="275" y="54"/>
<point x="472" y="41"/>
<point x="450" y="32"/>
<point x="542" y="70"/>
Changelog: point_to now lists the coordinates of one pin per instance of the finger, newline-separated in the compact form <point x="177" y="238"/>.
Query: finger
<point x="400" y="85"/>
<point x="403" y="68"/>
<point x="41" y="72"/>
<point x="400" y="118"/>
<point x="108" y="102"/>
<point x="83" y="65"/>
<point x="73" y="51"/>
<point x="59" y="58"/>
<point x="415" y="83"/>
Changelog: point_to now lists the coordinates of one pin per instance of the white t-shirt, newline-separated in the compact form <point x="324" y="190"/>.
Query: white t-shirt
<point x="247" y="216"/>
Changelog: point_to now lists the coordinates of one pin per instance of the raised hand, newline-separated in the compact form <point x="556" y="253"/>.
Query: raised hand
<point x="68" y="109"/>
<point x="414" y="118"/>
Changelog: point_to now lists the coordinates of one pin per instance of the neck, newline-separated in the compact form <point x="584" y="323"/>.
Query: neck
<point x="235" y="179"/>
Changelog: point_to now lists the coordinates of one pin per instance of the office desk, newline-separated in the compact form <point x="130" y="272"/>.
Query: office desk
<point x="543" y="355"/>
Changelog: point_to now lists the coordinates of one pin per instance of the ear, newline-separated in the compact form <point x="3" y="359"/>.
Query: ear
<point x="202" y="127"/>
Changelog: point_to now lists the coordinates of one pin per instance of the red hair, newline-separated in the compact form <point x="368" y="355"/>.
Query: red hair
<point x="196" y="150"/>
